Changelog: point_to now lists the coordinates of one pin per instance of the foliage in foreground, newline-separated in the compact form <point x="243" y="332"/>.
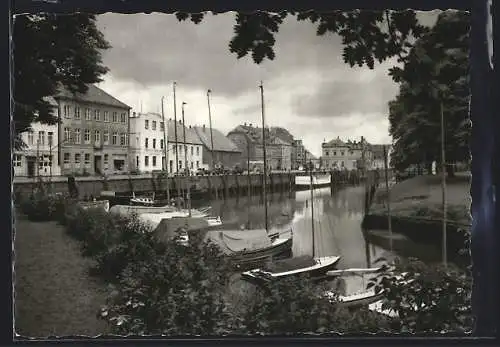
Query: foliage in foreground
<point x="427" y="298"/>
<point x="166" y="288"/>
<point x="41" y="206"/>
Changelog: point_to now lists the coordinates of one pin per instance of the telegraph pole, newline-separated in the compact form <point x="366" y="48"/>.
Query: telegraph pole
<point x="443" y="182"/>
<point x="264" y="150"/>
<point x="176" y="148"/>
<point x="211" y="137"/>
<point x="165" y="152"/>
<point x="188" y="197"/>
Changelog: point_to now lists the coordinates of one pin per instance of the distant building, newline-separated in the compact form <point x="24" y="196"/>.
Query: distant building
<point x="350" y="155"/>
<point x="249" y="140"/>
<point x="311" y="159"/>
<point x="93" y="132"/>
<point x="378" y="156"/>
<point x="298" y="154"/>
<point x="192" y="148"/>
<point x="40" y="149"/>
<point x="147" y="147"/>
<point x="225" y="153"/>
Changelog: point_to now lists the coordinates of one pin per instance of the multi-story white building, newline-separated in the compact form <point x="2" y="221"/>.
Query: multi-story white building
<point x="378" y="156"/>
<point x="190" y="152"/>
<point x="350" y="155"/>
<point x="147" y="142"/>
<point x="41" y="142"/>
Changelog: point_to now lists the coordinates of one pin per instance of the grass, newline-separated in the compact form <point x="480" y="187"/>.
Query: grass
<point x="421" y="196"/>
<point x="54" y="294"/>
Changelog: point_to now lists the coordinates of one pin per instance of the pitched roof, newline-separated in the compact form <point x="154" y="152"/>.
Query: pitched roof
<point x="221" y="142"/>
<point x="274" y="135"/>
<point x="93" y="95"/>
<point x="282" y="134"/>
<point x="191" y="136"/>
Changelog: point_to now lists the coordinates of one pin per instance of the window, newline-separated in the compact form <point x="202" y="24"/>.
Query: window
<point x="153" y="125"/>
<point x="123" y="118"/>
<point x="67" y="134"/>
<point x="97" y="136"/>
<point x="197" y="164"/>
<point x="97" y="115"/>
<point x="171" y="164"/>
<point x="154" y="160"/>
<point x="87" y="158"/>
<point x="180" y="149"/>
<point x="78" y="136"/>
<point x="17" y="160"/>
<point x="77" y="112"/>
<point x="115" y="117"/>
<point x="50" y="138"/>
<point x="78" y="158"/>
<point x="115" y="138"/>
<point x="351" y="152"/>
<point x="66" y="111"/>
<point x="180" y="164"/>
<point x="106" y="116"/>
<point x="41" y="137"/>
<point x="146" y="161"/>
<point x="334" y="153"/>
<point x="327" y="153"/>
<point x="105" y="137"/>
<point x="30" y="137"/>
<point x="146" y="143"/>
<point x="342" y="163"/>
<point x="66" y="158"/>
<point x="192" y="165"/>
<point x="162" y="126"/>
<point x="197" y="150"/>
<point x="137" y="161"/>
<point x="154" y="143"/>
<point x="146" y="124"/>
<point x="342" y="153"/>
<point x="86" y="136"/>
<point x="106" y="159"/>
<point x="192" y="150"/>
<point x="122" y="139"/>
<point x="161" y="144"/>
<point x="87" y="114"/>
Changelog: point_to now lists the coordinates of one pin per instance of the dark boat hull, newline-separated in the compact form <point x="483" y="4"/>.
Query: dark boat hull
<point x="260" y="256"/>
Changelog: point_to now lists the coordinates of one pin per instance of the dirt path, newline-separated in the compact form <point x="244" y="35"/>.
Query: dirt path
<point x="54" y="295"/>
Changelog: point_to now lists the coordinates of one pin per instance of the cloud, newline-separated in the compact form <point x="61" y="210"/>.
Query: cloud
<point x="308" y="88"/>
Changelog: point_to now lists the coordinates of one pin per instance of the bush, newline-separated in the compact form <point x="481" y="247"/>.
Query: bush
<point x="179" y="291"/>
<point x="41" y="206"/>
<point x="427" y="298"/>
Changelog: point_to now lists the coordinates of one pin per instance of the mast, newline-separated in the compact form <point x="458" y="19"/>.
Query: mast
<point x="248" y="181"/>
<point x="188" y="198"/>
<point x="211" y="136"/>
<point x="264" y="151"/>
<point x="312" y="208"/>
<point x="388" y="193"/>
<point x="176" y="148"/>
<point x="165" y="146"/>
<point x="443" y="183"/>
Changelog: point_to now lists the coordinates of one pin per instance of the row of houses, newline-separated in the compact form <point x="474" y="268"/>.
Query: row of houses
<point x="99" y="134"/>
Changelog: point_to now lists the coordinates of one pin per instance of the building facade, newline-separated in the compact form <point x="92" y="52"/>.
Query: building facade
<point x="147" y="142"/>
<point x="93" y="133"/>
<point x="225" y="153"/>
<point x="37" y="158"/>
<point x="190" y="151"/>
<point x="350" y="155"/>
<point x="298" y="154"/>
<point x="378" y="156"/>
<point x="249" y="141"/>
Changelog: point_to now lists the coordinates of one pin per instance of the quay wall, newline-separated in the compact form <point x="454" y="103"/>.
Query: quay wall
<point x="208" y="185"/>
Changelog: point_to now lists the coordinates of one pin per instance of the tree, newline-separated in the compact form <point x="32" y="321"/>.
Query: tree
<point x="52" y="51"/>
<point x="435" y="75"/>
<point x="368" y="36"/>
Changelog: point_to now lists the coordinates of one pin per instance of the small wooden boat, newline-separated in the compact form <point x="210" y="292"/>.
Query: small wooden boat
<point x="245" y="247"/>
<point x="138" y="209"/>
<point x="318" y="266"/>
<point x="361" y="298"/>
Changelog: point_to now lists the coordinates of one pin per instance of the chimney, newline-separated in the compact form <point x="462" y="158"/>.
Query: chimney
<point x="203" y="127"/>
<point x="250" y="125"/>
<point x="133" y="114"/>
<point x="190" y="127"/>
<point x="362" y="139"/>
<point x="180" y="121"/>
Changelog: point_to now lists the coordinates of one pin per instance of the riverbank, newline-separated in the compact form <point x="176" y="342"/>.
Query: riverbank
<point x="54" y="293"/>
<point x="421" y="197"/>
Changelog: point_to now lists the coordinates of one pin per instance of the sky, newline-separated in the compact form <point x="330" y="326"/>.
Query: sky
<point x="308" y="89"/>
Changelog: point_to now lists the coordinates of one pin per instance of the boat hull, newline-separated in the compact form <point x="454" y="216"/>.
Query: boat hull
<point x="148" y="209"/>
<point x="260" y="256"/>
<point x="310" y="271"/>
<point x="365" y="299"/>
<point x="304" y="182"/>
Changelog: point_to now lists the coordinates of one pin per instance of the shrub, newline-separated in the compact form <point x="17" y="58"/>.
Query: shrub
<point x="179" y="291"/>
<point x="41" y="206"/>
<point x="427" y="298"/>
